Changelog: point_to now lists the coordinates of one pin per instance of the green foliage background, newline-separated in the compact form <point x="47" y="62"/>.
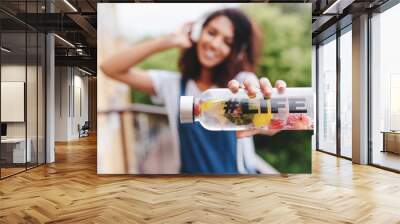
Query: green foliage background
<point x="286" y="55"/>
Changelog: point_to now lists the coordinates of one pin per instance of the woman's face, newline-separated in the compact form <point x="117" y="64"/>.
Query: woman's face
<point x="215" y="41"/>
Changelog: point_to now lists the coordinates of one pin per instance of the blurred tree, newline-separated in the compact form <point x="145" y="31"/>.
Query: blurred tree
<point x="287" y="151"/>
<point x="286" y="52"/>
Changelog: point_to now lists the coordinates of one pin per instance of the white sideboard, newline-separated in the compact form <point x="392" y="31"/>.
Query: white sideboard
<point x="18" y="145"/>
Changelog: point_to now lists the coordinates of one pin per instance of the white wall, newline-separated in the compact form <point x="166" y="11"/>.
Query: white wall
<point x="80" y="110"/>
<point x="61" y="114"/>
<point x="33" y="127"/>
<point x="71" y="94"/>
<point x="314" y="87"/>
<point x="10" y="73"/>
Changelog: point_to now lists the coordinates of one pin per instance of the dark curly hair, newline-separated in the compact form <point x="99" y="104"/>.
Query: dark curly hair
<point x="244" y="50"/>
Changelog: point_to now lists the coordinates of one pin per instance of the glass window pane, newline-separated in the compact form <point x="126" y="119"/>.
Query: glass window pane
<point x="346" y="94"/>
<point x="385" y="86"/>
<point x="32" y="86"/>
<point x="41" y="98"/>
<point x="31" y="97"/>
<point x="13" y="87"/>
<point x="22" y="63"/>
<point x="327" y="97"/>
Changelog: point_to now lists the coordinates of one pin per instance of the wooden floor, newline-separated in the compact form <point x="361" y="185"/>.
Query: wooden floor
<point x="70" y="191"/>
<point x="10" y="171"/>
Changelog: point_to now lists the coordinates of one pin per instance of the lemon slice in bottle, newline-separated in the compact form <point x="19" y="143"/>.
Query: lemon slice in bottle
<point x="263" y="119"/>
<point x="214" y="105"/>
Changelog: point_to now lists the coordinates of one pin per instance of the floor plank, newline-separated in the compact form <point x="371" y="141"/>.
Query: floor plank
<point x="70" y="191"/>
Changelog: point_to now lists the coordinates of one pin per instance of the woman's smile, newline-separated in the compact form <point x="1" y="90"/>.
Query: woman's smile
<point x="210" y="55"/>
<point x="215" y="40"/>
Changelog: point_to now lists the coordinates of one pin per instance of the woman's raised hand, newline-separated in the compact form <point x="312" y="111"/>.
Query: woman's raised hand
<point x="181" y="37"/>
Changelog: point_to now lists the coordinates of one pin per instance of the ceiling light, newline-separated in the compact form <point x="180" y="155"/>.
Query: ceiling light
<point x="84" y="71"/>
<point x="337" y="7"/>
<point x="5" y="50"/>
<point x="70" y="5"/>
<point x="65" y="41"/>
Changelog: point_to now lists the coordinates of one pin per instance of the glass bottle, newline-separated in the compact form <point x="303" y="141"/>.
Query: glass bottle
<point x="220" y="109"/>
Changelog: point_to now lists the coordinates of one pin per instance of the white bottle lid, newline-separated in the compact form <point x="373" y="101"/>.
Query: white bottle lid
<point x="186" y="109"/>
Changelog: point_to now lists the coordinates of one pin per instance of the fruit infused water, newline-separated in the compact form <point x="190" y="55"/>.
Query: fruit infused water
<point x="220" y="109"/>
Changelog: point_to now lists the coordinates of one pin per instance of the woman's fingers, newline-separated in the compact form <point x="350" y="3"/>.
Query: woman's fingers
<point x="187" y="26"/>
<point x="265" y="87"/>
<point x="181" y="37"/>
<point x="233" y="85"/>
<point x="280" y="85"/>
<point x="250" y="87"/>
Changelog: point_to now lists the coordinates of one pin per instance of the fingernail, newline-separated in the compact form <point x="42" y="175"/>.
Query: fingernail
<point x="281" y="89"/>
<point x="266" y="83"/>
<point x="267" y="93"/>
<point x="251" y="92"/>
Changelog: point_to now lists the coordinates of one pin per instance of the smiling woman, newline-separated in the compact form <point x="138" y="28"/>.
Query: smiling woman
<point x="219" y="51"/>
<point x="223" y="55"/>
<point x="226" y="46"/>
<point x="215" y="41"/>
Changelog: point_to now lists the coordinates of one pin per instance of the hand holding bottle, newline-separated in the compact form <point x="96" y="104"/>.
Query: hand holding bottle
<point x="251" y="87"/>
<point x="251" y="110"/>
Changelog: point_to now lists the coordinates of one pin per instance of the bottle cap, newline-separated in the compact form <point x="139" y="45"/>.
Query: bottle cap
<point x="186" y="109"/>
